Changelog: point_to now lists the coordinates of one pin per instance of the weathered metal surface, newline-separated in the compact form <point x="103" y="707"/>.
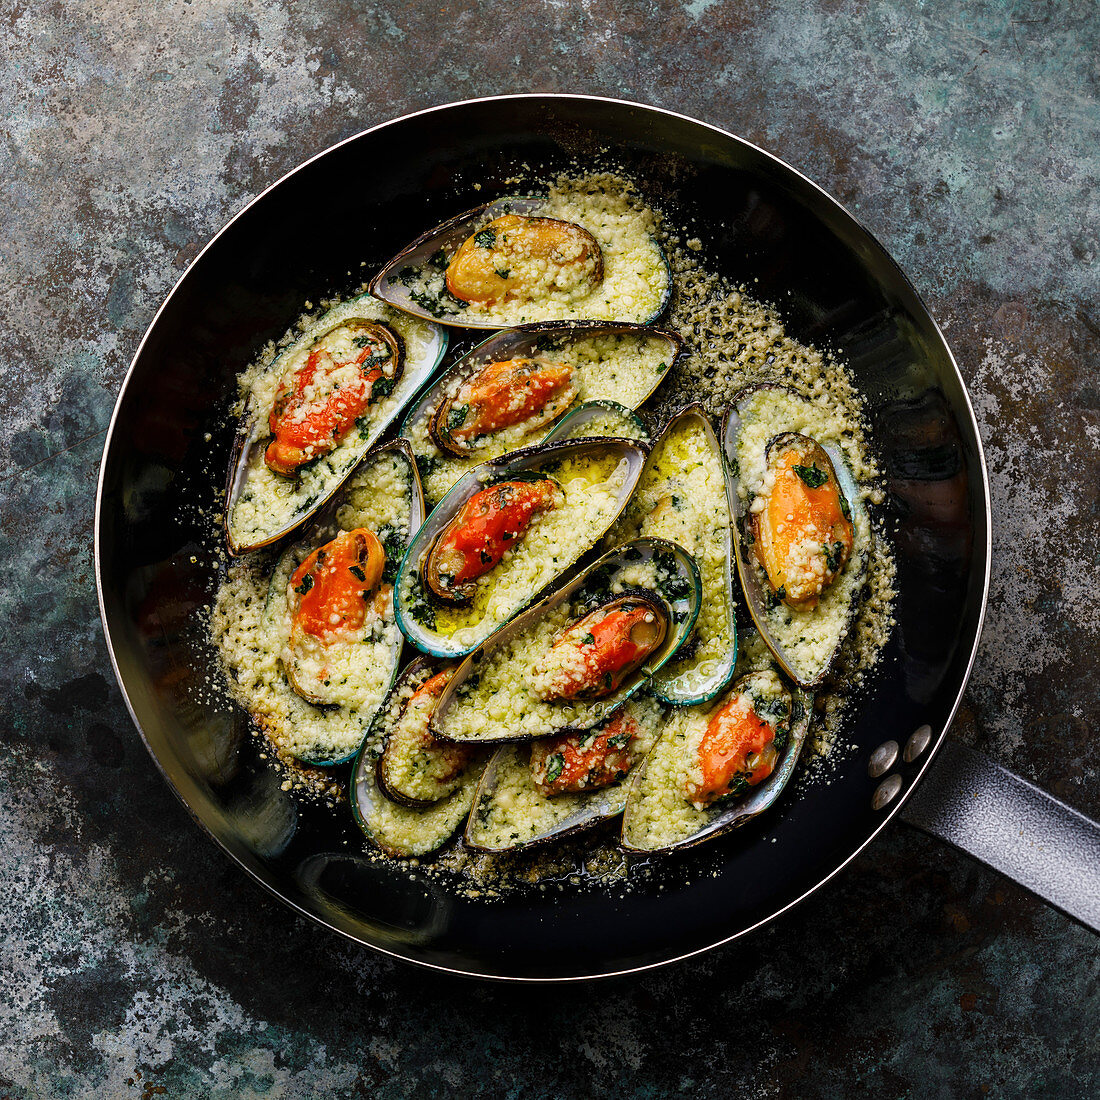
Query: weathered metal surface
<point x="134" y="957"/>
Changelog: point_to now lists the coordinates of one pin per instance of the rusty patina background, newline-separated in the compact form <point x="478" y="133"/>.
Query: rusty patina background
<point x="134" y="959"/>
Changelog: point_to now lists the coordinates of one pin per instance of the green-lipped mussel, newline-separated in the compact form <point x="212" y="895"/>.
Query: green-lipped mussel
<point x="560" y="785"/>
<point x="316" y="410"/>
<point x="719" y="764"/>
<point x="504" y="533"/>
<point x="514" y="387"/>
<point x="684" y="495"/>
<point x="565" y="664"/>
<point x="802" y="536"/>
<point x="329" y="612"/>
<point x="510" y="262"/>
<point x="409" y="794"/>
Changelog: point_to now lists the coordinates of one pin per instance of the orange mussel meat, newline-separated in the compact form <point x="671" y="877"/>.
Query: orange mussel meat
<point x="317" y="405"/>
<point x="485" y="528"/>
<point x="594" y="656"/>
<point x="329" y="590"/>
<point x="740" y="746"/>
<point x="801" y="527"/>
<point x="585" y="761"/>
<point x="499" y="396"/>
<point x="516" y="257"/>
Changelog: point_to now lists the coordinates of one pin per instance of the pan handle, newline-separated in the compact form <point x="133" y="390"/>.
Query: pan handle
<point x="1013" y="827"/>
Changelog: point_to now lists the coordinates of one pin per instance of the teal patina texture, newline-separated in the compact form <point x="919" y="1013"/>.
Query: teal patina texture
<point x="135" y="960"/>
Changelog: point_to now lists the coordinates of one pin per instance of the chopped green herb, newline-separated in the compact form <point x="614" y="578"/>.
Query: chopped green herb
<point x="305" y="586"/>
<point x="554" y="767"/>
<point x="457" y="417"/>
<point x="588" y="639"/>
<point x="811" y="475"/>
<point x="356" y="572"/>
<point x="486" y="238"/>
<point x="834" y="555"/>
<point x="382" y="388"/>
<point x="844" y="507"/>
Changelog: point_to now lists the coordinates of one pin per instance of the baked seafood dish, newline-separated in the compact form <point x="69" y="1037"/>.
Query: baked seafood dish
<point x="610" y="586"/>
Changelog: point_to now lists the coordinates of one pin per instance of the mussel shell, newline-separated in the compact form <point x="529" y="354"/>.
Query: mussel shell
<point x="387" y="284"/>
<point x="409" y="589"/>
<point x="674" y="687"/>
<point x="714" y="821"/>
<point x="681" y="597"/>
<point x="525" y="342"/>
<point x="757" y="592"/>
<point x="324" y="529"/>
<point x="253" y="434"/>
<point x="369" y="803"/>
<point x="598" y="420"/>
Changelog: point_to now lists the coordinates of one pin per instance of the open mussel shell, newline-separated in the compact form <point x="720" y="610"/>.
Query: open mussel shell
<point x="685" y="826"/>
<point x="413" y="280"/>
<point x="686" y="477"/>
<point x="383" y="494"/>
<point x="599" y="420"/>
<point x="420" y="615"/>
<point x="491" y="698"/>
<point x="805" y="643"/>
<point x="402" y="830"/>
<point x="596" y="385"/>
<point x="261" y="506"/>
<point x="509" y="811"/>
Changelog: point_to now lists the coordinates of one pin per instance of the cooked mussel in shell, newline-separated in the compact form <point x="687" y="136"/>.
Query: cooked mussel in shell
<point x="569" y="661"/>
<point x="802" y="533"/>
<point x="801" y="523"/>
<point x="742" y="741"/>
<point x="521" y="258"/>
<point x="531" y="392"/>
<point x="415" y="769"/>
<point x="721" y="763"/>
<point x="489" y="524"/>
<point x="592" y="657"/>
<point x="318" y="402"/>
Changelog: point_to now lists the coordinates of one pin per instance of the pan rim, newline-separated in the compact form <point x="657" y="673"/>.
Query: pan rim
<point x="939" y="736"/>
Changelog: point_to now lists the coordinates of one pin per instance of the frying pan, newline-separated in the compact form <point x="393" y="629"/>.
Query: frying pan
<point x="326" y="227"/>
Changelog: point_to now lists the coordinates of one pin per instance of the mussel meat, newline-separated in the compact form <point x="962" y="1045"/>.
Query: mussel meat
<point x="415" y="769"/>
<point x="801" y="524"/>
<point x="520" y="258"/>
<point x="503" y="394"/>
<point x="591" y="658"/>
<point x="489" y="524"/>
<point x="319" y="401"/>
<point x="328" y="599"/>
<point x="742" y="742"/>
<point x="588" y="760"/>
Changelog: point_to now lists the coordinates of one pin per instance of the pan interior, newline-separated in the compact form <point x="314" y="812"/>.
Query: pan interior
<point x="170" y="441"/>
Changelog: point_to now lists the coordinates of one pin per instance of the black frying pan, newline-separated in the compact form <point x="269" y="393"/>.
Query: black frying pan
<point x="359" y="202"/>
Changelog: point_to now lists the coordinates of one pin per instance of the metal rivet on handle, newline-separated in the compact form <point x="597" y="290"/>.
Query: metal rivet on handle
<point x="882" y="759"/>
<point x="886" y="792"/>
<point x="917" y="743"/>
